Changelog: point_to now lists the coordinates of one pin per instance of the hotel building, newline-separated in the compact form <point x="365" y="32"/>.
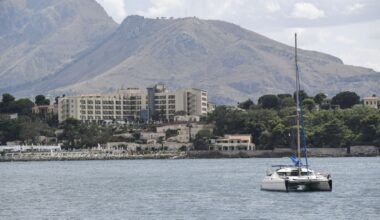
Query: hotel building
<point x="133" y="104"/>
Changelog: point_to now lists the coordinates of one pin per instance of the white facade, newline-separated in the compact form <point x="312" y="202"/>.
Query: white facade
<point x="120" y="105"/>
<point x="129" y="104"/>
<point x="372" y="102"/>
<point x="232" y="142"/>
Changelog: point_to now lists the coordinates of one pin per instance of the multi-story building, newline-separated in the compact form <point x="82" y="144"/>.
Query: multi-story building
<point x="132" y="104"/>
<point x="125" y="104"/>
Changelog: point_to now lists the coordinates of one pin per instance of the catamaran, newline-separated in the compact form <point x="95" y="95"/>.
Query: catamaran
<point x="297" y="177"/>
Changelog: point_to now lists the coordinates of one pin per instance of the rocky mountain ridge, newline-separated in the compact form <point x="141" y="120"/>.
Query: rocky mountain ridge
<point x="232" y="63"/>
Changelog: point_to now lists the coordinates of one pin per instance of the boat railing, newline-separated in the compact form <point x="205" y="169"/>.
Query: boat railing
<point x="282" y="166"/>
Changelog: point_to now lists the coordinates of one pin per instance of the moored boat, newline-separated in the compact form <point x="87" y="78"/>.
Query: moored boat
<point x="286" y="178"/>
<point x="297" y="177"/>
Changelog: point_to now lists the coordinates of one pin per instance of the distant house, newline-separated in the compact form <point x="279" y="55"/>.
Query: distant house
<point x="46" y="140"/>
<point x="11" y="116"/>
<point x="372" y="102"/>
<point x="152" y="135"/>
<point x="232" y="143"/>
<point x="45" y="110"/>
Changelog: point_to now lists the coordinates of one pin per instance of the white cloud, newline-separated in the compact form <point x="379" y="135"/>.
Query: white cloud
<point x="115" y="8"/>
<point x="273" y="6"/>
<point x="162" y="7"/>
<point x="355" y="7"/>
<point x="307" y="10"/>
<point x="227" y="7"/>
<point x="345" y="40"/>
<point x="353" y="47"/>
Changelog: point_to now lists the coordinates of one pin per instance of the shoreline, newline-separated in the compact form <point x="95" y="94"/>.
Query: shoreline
<point x="359" y="151"/>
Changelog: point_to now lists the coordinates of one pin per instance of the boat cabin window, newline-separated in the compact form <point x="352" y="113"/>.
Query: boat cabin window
<point x="292" y="173"/>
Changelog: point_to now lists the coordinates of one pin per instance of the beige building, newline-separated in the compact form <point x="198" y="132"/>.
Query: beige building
<point x="232" y="142"/>
<point x="372" y="102"/>
<point x="156" y="103"/>
<point x="121" y="105"/>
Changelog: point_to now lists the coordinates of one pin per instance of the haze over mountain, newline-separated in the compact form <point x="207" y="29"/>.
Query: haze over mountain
<point x="232" y="63"/>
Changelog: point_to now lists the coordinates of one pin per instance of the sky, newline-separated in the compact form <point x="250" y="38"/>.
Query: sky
<point x="348" y="29"/>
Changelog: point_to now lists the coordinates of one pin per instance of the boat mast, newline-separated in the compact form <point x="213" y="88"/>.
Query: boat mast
<point x="298" y="106"/>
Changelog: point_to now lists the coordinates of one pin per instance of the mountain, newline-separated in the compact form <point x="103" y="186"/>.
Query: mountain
<point x="232" y="63"/>
<point x="40" y="37"/>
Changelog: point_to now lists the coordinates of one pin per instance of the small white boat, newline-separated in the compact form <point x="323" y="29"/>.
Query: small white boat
<point x="297" y="177"/>
<point x="288" y="178"/>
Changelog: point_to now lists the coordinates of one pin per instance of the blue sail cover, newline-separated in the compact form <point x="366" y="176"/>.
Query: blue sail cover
<point x="296" y="161"/>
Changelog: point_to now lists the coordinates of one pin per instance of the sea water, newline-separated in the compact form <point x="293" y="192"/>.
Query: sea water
<point x="182" y="189"/>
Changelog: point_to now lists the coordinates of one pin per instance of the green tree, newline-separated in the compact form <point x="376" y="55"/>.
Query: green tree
<point x="246" y="104"/>
<point x="201" y="141"/>
<point x="284" y="96"/>
<point x="302" y="95"/>
<point x="319" y="98"/>
<point x="9" y="130"/>
<point x="376" y="141"/>
<point x="287" y="102"/>
<point x="369" y="125"/>
<point x="308" y="103"/>
<point x="41" y="100"/>
<point x="56" y="100"/>
<point x="7" y="103"/>
<point x="7" y="98"/>
<point x="278" y="136"/>
<point x="345" y="99"/>
<point x="269" y="101"/>
<point x="332" y="134"/>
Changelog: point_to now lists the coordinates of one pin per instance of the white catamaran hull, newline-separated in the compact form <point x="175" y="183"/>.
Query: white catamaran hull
<point x="287" y="185"/>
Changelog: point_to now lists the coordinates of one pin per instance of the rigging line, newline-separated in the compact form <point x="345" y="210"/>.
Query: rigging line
<point x="298" y="105"/>
<point x="301" y="112"/>
<point x="304" y="137"/>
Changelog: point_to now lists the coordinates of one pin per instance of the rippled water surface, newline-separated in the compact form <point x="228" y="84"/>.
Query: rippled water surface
<point x="182" y="189"/>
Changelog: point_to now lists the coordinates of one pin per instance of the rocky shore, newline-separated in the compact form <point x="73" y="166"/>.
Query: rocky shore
<point x="85" y="155"/>
<point x="354" y="151"/>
